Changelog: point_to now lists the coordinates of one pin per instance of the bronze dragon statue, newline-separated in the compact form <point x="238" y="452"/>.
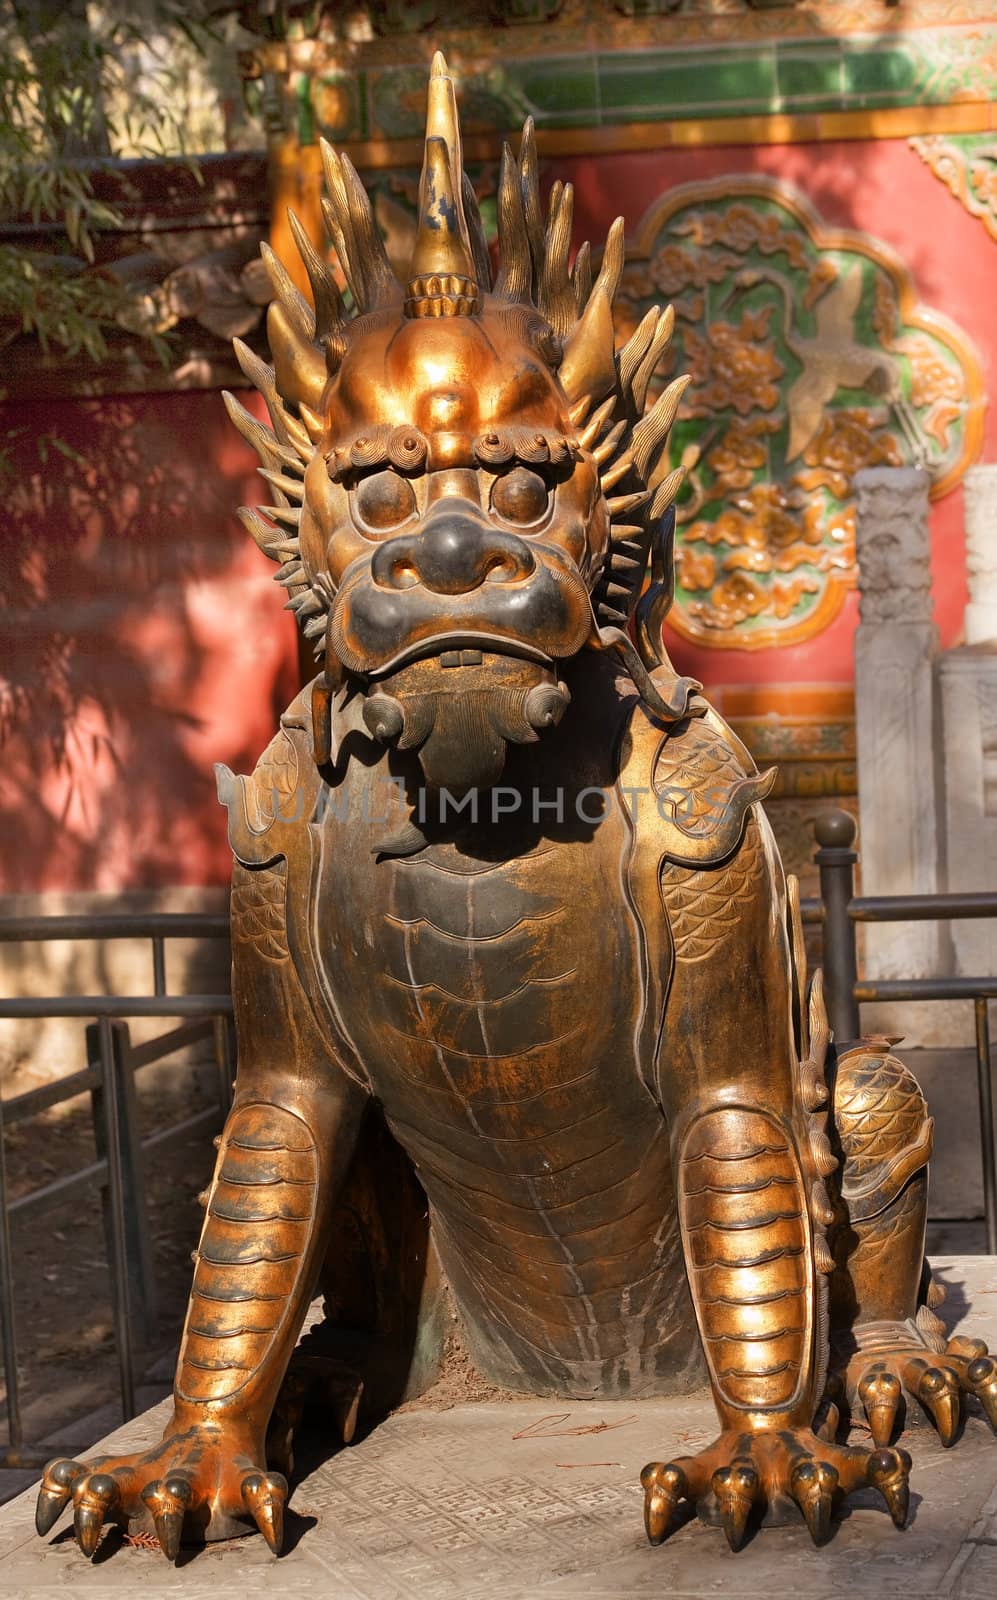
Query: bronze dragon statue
<point x="523" y="1022"/>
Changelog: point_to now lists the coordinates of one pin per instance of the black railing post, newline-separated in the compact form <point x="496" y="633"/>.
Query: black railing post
<point x="120" y="1124"/>
<point x="8" y="1333"/>
<point x="835" y="833"/>
<point x="984" y="1083"/>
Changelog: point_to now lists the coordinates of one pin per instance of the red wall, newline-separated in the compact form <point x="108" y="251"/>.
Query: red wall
<point x="143" y="640"/>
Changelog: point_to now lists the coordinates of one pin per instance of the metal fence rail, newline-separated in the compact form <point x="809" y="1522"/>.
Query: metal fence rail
<point x="842" y="909"/>
<point x="113" y="1062"/>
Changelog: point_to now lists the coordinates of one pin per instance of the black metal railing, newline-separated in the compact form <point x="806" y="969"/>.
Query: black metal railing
<point x="839" y="910"/>
<point x="113" y="1062"/>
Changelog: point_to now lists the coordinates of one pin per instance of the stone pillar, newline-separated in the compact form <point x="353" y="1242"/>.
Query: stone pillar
<point x="981" y="555"/>
<point x="895" y="649"/>
<point x="967" y="683"/>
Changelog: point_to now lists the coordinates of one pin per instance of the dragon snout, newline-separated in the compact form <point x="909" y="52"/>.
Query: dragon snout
<point x="453" y="553"/>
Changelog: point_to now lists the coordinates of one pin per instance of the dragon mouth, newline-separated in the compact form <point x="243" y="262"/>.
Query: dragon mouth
<point x="461" y="707"/>
<point x="461" y="650"/>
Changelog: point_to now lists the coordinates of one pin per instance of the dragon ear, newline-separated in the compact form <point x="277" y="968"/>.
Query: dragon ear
<point x="442" y="277"/>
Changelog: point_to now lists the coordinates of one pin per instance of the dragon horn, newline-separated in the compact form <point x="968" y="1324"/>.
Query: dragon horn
<point x="442" y="247"/>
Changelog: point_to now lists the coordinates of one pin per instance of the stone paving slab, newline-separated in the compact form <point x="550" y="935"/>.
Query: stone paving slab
<point x="458" y="1505"/>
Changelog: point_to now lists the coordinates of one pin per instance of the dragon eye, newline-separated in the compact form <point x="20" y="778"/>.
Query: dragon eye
<point x="383" y="501"/>
<point x="520" y="496"/>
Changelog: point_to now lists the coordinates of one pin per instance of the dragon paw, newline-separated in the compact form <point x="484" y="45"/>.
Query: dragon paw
<point x="902" y="1368"/>
<point x="194" y="1483"/>
<point x="748" y="1473"/>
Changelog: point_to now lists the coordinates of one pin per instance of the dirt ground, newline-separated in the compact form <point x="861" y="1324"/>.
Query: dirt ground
<point x="67" y="1364"/>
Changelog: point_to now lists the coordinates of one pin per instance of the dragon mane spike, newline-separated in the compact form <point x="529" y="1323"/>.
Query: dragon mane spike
<point x="262" y="439"/>
<point x="298" y="362"/>
<point x="621" y="504"/>
<point x="664" y="495"/>
<point x="651" y="432"/>
<point x="289" y="516"/>
<point x="515" y="275"/>
<point x="314" y="426"/>
<point x="588" y="365"/>
<point x="616" y="470"/>
<point x="607" y="447"/>
<point x="553" y="206"/>
<point x="263" y="378"/>
<point x="299" y="312"/>
<point x="338" y="213"/>
<point x="612" y="261"/>
<point x="254" y="368"/>
<point x="645" y="371"/>
<point x="476" y="235"/>
<point x="380" y="286"/>
<point x="292" y="445"/>
<point x="329" y="313"/>
<point x="529" y="184"/>
<point x="338" y="239"/>
<point x="596" y="423"/>
<point x="581" y="276"/>
<point x="635" y="349"/>
<point x="556" y="297"/>
<point x="291" y="488"/>
<point x="261" y="532"/>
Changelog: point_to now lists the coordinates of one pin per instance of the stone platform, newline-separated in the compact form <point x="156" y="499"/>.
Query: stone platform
<point x="523" y="1499"/>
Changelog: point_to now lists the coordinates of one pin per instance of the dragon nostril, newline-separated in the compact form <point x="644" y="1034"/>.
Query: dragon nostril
<point x="507" y="566"/>
<point x="403" y="575"/>
<point x="499" y="567"/>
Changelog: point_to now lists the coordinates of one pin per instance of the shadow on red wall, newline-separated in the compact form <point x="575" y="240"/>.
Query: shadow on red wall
<point x="143" y="642"/>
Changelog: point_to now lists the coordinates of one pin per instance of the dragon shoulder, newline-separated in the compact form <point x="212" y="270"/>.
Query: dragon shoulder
<point x="689" y="787"/>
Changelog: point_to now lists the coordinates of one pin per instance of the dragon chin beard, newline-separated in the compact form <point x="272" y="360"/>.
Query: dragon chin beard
<point x="460" y="709"/>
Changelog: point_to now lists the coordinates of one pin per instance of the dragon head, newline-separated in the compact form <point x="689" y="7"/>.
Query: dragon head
<point x="468" y="492"/>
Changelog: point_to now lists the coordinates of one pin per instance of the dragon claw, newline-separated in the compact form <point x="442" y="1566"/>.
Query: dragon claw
<point x="168" y="1501"/>
<point x="880" y="1392"/>
<point x="937" y="1388"/>
<point x="889" y="1472"/>
<point x="94" y="1497"/>
<point x="981" y="1380"/>
<point x="812" y="1485"/>
<point x="55" y="1493"/>
<point x="264" y="1495"/>
<point x="663" y="1487"/>
<point x="736" y="1488"/>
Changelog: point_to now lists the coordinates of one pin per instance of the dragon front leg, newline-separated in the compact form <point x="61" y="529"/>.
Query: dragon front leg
<point x="283" y="1155"/>
<point x="741" y="1079"/>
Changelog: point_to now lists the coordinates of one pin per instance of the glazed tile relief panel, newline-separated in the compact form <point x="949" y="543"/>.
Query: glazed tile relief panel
<point x="967" y="166"/>
<point x="810" y="359"/>
<point x="591" y="66"/>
